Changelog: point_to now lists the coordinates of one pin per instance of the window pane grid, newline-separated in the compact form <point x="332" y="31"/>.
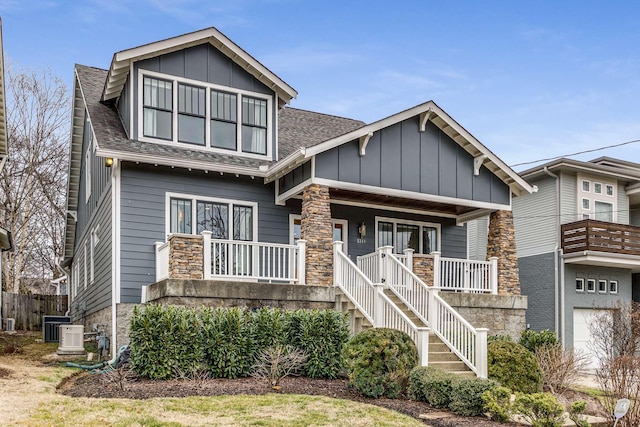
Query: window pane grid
<point x="242" y="223"/>
<point x="180" y="216"/>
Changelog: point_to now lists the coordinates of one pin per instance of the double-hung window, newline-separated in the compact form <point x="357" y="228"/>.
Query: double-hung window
<point x="214" y="117"/>
<point x="158" y="108"/>
<point x="421" y="237"/>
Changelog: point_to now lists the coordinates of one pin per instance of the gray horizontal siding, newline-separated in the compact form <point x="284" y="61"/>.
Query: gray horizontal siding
<point x="568" y="197"/>
<point x="403" y="158"/>
<point x="97" y="295"/>
<point x="534" y="218"/>
<point x="143" y="196"/>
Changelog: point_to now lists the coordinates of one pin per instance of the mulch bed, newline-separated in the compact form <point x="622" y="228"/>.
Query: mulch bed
<point x="94" y="385"/>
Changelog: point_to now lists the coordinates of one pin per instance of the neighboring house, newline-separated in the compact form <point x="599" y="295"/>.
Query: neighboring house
<point x="187" y="169"/>
<point x="578" y="243"/>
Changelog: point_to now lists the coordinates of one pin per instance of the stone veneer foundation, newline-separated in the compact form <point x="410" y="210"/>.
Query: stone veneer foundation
<point x="501" y="243"/>
<point x="423" y="268"/>
<point x="316" y="229"/>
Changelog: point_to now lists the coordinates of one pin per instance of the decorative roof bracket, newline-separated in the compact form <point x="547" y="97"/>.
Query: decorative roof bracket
<point x="477" y="162"/>
<point x="424" y="118"/>
<point x="364" y="140"/>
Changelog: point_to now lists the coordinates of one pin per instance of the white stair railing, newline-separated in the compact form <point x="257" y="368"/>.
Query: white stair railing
<point x="465" y="275"/>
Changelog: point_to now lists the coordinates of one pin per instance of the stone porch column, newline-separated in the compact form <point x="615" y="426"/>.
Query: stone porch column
<point x="185" y="257"/>
<point x="316" y="229"/>
<point x="501" y="243"/>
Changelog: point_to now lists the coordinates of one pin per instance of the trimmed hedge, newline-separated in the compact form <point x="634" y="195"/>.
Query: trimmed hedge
<point x="170" y="341"/>
<point x="466" y="395"/>
<point x="379" y="361"/>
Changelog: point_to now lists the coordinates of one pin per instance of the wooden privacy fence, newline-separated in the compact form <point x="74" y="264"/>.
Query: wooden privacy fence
<point x="28" y="310"/>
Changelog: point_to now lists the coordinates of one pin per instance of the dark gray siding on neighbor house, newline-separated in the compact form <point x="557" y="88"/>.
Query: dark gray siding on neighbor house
<point x="124" y="106"/>
<point x="206" y="64"/>
<point x="595" y="299"/>
<point x="537" y="282"/>
<point x="401" y="157"/>
<point x="295" y="177"/>
<point x="143" y="212"/>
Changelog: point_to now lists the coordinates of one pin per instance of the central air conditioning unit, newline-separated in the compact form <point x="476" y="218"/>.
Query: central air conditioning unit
<point x="71" y="340"/>
<point x="11" y="324"/>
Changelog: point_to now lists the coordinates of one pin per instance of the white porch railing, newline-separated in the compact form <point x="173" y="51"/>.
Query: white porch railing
<point x="464" y="275"/>
<point x="242" y="260"/>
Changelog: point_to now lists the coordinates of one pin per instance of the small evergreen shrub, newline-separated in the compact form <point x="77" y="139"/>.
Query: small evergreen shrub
<point x="499" y="337"/>
<point x="514" y="367"/>
<point x="430" y="385"/>
<point x="540" y="409"/>
<point x="576" y="413"/>
<point x="229" y="345"/>
<point x="497" y="403"/>
<point x="466" y="395"/>
<point x="321" y="335"/>
<point x="379" y="361"/>
<point x="531" y="339"/>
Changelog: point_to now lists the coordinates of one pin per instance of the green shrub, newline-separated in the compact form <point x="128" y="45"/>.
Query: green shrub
<point x="576" y="413"/>
<point x="499" y="337"/>
<point x="165" y="341"/>
<point x="379" y="361"/>
<point x="540" y="409"/>
<point x="513" y="366"/>
<point x="531" y="339"/>
<point x="321" y="335"/>
<point x="431" y="385"/>
<point x="268" y="327"/>
<point x="466" y="395"/>
<point x="497" y="403"/>
<point x="229" y="346"/>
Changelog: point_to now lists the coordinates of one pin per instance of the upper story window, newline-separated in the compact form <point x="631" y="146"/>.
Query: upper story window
<point x="214" y="117"/>
<point x="401" y="234"/>
<point x="596" y="199"/>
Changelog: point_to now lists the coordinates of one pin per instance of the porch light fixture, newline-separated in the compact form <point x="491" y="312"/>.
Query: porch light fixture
<point x="108" y="162"/>
<point x="362" y="230"/>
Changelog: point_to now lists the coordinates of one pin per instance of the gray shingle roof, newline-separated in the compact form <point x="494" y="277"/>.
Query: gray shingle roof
<point x="296" y="128"/>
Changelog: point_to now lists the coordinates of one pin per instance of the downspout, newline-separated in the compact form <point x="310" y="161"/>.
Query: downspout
<point x="558" y="275"/>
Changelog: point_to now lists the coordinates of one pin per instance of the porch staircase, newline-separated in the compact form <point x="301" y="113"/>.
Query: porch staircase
<point x="400" y="300"/>
<point x="440" y="355"/>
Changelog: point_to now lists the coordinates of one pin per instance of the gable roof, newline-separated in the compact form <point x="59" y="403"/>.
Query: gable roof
<point x="120" y="64"/>
<point x="427" y="111"/>
<point x="3" y="112"/>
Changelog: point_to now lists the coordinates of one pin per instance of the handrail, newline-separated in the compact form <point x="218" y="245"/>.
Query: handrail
<point x="465" y="275"/>
<point x="354" y="284"/>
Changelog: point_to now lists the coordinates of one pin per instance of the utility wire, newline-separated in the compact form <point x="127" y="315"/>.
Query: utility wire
<point x="576" y="154"/>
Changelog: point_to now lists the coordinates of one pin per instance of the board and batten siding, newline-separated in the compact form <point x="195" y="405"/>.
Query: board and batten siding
<point x="124" y="106"/>
<point x="206" y="64"/>
<point x="400" y="157"/>
<point x="143" y="211"/>
<point x="534" y="218"/>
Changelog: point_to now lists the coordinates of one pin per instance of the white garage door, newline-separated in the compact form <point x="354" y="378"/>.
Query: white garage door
<point x="582" y="318"/>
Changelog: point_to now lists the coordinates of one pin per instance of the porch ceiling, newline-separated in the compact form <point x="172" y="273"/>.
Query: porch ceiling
<point x="447" y="209"/>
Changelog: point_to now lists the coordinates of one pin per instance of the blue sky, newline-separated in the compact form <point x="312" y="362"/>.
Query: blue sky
<point x="529" y="79"/>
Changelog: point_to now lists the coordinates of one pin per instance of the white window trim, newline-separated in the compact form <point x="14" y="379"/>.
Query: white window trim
<point x="208" y="86"/>
<point x="611" y="282"/>
<point x="84" y="279"/>
<point x="600" y="282"/>
<point x="94" y="243"/>
<point x="579" y="284"/>
<point x="397" y="221"/>
<point x="589" y="282"/>
<point x="87" y="173"/>
<point x="588" y="185"/>
<point x="343" y="222"/>
<point x="594" y="197"/>
<point x="194" y="211"/>
<point x="595" y="184"/>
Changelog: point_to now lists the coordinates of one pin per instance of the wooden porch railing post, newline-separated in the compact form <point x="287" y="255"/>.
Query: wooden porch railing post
<point x="206" y="254"/>
<point x="423" y="345"/>
<point x="337" y="247"/>
<point x="409" y="254"/>
<point x="481" y="352"/>
<point x="436" y="270"/>
<point x="378" y="305"/>
<point x="493" y="274"/>
<point x="302" y="262"/>
<point x="158" y="263"/>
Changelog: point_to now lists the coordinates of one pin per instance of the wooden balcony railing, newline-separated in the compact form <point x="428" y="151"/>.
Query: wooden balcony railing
<point x="600" y="236"/>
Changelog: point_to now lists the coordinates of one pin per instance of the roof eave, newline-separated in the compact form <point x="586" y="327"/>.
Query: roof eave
<point x="120" y="64"/>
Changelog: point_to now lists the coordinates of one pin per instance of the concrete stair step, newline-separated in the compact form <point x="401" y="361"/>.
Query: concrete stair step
<point x="442" y="356"/>
<point x="449" y="366"/>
